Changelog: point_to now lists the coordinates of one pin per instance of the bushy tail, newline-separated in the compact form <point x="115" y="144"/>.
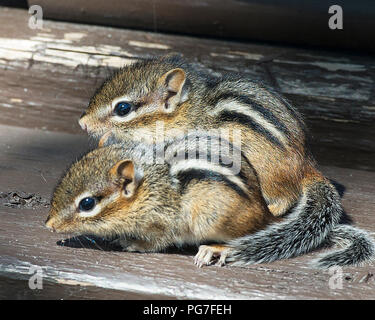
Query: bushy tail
<point x="359" y="247"/>
<point x="306" y="228"/>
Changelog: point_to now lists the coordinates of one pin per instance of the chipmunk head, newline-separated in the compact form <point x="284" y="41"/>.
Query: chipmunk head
<point x="150" y="88"/>
<point x="94" y="191"/>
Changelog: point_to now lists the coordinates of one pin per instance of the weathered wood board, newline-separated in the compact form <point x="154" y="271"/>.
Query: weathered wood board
<point x="46" y="79"/>
<point x="287" y="21"/>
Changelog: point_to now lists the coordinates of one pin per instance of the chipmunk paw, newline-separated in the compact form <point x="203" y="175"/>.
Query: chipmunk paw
<point x="207" y="255"/>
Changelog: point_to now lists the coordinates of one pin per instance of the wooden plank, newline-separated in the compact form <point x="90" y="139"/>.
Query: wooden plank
<point x="285" y="21"/>
<point x="47" y="77"/>
<point x="18" y="289"/>
<point x="33" y="161"/>
<point x="15" y="3"/>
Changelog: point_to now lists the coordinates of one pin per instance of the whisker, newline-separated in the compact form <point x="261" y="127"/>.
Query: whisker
<point x="94" y="242"/>
<point x="77" y="238"/>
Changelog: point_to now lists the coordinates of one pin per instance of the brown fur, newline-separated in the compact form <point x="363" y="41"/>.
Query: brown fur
<point x="280" y="171"/>
<point x="156" y="213"/>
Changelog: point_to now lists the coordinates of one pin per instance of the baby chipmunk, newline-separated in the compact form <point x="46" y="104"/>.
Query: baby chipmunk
<point x="168" y="91"/>
<point x="120" y="192"/>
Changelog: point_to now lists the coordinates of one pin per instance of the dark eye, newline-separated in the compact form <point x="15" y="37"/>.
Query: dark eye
<point x="122" y="108"/>
<point x="87" y="204"/>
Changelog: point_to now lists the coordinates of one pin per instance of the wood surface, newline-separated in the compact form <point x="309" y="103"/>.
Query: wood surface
<point x="46" y="79"/>
<point x="286" y="21"/>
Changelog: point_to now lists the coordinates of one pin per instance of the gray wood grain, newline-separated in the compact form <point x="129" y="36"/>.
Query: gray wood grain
<point x="288" y="21"/>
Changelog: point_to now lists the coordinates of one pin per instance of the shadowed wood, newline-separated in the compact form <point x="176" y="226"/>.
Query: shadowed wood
<point x="287" y="21"/>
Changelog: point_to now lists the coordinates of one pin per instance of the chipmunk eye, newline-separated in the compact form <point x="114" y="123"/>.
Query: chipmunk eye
<point x="122" y="108"/>
<point x="87" y="204"/>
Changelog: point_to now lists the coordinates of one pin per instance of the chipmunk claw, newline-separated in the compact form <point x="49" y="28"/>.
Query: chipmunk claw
<point x="207" y="255"/>
<point x="204" y="256"/>
<point x="223" y="257"/>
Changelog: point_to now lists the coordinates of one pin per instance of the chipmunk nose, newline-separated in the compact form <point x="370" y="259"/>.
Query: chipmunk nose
<point x="49" y="224"/>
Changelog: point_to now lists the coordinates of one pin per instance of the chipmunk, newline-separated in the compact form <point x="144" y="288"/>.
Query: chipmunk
<point x="167" y="92"/>
<point x="121" y="192"/>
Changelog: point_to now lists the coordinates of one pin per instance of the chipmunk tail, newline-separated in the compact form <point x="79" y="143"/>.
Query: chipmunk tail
<point x="358" y="247"/>
<point x="306" y="228"/>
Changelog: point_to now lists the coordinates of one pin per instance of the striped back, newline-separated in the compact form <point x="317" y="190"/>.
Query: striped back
<point x="198" y="156"/>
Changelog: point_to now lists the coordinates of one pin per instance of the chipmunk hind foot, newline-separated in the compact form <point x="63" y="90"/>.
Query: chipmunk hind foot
<point x="208" y="254"/>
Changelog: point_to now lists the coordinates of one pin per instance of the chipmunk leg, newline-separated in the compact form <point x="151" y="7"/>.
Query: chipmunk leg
<point x="207" y="253"/>
<point x="280" y="207"/>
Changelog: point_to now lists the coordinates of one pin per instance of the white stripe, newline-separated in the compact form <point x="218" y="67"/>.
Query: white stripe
<point x="235" y="106"/>
<point x="204" y="165"/>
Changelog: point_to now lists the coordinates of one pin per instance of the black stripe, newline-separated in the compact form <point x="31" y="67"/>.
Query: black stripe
<point x="185" y="177"/>
<point x="212" y="83"/>
<point x="295" y="114"/>
<point x="249" y="122"/>
<point x="207" y="156"/>
<point x="266" y="113"/>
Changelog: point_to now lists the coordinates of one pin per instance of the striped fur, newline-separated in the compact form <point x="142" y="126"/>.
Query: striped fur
<point x="312" y="224"/>
<point x="207" y="157"/>
<point x="247" y="120"/>
<point x="200" y="173"/>
<point x="188" y="170"/>
<point x="246" y="111"/>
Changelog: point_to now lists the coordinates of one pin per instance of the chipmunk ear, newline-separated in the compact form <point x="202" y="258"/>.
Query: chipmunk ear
<point x="173" y="81"/>
<point x="126" y="172"/>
